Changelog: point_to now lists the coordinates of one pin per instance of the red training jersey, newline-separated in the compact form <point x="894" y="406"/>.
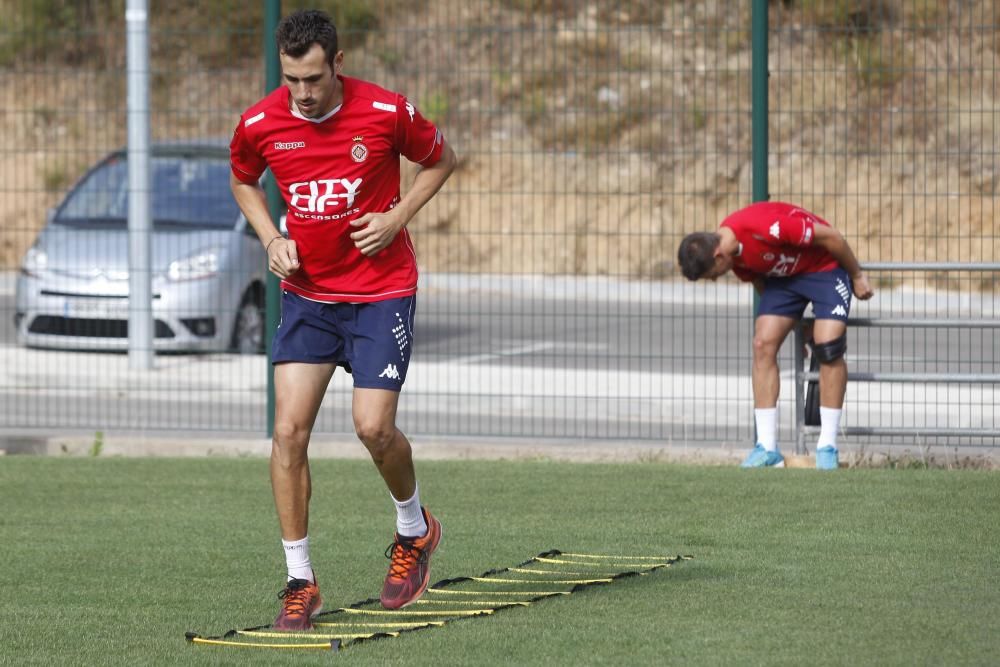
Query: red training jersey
<point x="776" y="239"/>
<point x="331" y="171"/>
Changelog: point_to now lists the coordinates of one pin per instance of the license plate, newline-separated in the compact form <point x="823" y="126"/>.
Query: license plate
<point x="97" y="309"/>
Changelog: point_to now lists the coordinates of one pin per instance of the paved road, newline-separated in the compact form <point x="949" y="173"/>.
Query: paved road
<point x="516" y="367"/>
<point x="579" y="359"/>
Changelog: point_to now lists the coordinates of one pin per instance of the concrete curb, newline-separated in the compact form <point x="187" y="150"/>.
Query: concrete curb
<point x="482" y="449"/>
<point x="429" y="449"/>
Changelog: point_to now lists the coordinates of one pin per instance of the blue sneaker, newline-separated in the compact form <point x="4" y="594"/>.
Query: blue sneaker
<point x="826" y="458"/>
<point x="761" y="458"/>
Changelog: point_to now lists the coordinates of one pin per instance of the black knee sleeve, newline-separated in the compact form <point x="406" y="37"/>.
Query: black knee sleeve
<point x="831" y="351"/>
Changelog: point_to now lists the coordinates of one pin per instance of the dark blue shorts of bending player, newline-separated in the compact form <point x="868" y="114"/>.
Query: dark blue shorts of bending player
<point x="372" y="341"/>
<point x="829" y="292"/>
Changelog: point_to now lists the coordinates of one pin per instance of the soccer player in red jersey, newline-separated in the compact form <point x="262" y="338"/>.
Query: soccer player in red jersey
<point x="793" y="258"/>
<point x="349" y="279"/>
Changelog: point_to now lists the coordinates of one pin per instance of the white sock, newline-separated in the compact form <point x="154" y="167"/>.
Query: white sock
<point x="767" y="427"/>
<point x="829" y="426"/>
<point x="297" y="559"/>
<point x="410" y="520"/>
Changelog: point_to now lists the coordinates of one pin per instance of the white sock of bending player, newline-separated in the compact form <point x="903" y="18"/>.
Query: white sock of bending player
<point x="410" y="520"/>
<point x="767" y="427"/>
<point x="297" y="559"/>
<point x="829" y="426"/>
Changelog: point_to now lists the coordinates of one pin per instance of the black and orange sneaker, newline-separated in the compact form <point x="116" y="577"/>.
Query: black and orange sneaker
<point x="410" y="565"/>
<point x="300" y="602"/>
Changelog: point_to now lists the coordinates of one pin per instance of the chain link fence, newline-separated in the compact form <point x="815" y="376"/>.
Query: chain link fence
<point x="592" y="137"/>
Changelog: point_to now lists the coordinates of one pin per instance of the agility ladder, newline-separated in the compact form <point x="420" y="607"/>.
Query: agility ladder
<point x="550" y="574"/>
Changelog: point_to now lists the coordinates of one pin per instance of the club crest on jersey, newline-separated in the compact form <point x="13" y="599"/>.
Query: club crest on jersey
<point x="359" y="152"/>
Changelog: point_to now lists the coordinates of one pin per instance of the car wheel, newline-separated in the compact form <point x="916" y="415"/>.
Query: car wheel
<point x="248" y="331"/>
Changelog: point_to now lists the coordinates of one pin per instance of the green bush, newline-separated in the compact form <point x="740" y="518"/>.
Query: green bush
<point x="55" y="30"/>
<point x="79" y="32"/>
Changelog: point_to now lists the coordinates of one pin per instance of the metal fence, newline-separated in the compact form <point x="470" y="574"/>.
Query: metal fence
<point x="593" y="136"/>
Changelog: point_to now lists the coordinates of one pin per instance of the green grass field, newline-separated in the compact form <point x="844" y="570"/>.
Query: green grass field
<point x="110" y="561"/>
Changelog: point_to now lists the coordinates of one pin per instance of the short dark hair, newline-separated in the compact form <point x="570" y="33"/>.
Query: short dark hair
<point x="696" y="254"/>
<point x="298" y="31"/>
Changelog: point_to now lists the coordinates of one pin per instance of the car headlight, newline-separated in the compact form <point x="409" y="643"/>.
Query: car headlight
<point x="203" y="264"/>
<point x="35" y="261"/>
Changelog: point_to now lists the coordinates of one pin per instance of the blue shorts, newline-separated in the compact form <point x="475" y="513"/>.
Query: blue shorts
<point x="372" y="341"/>
<point x="830" y="293"/>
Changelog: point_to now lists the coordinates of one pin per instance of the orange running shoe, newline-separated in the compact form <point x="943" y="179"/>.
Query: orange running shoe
<point x="301" y="601"/>
<point x="410" y="565"/>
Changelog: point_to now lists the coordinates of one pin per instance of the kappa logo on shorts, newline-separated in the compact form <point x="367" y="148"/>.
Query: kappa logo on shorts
<point x="390" y="372"/>
<point x="839" y="310"/>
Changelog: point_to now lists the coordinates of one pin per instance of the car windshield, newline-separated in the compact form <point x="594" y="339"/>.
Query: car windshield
<point x="188" y="192"/>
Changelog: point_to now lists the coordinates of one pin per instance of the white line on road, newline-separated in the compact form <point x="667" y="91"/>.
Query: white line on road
<point x="512" y="352"/>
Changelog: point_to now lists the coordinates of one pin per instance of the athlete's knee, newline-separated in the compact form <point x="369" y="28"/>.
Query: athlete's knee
<point x="376" y="434"/>
<point x="291" y="436"/>
<point x="764" y="348"/>
<point x="830" y="351"/>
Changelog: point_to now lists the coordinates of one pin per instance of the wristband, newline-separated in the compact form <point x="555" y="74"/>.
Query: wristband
<point x="268" y="246"/>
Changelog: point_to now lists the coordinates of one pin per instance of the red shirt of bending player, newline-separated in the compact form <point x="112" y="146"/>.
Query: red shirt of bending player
<point x="777" y="240"/>
<point x="331" y="171"/>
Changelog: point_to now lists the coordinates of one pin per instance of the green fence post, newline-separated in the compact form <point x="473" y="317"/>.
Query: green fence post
<point x="758" y="114"/>
<point x="758" y="100"/>
<point x="272" y="311"/>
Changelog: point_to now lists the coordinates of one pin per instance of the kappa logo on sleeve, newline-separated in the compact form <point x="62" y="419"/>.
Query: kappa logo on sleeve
<point x="775" y="230"/>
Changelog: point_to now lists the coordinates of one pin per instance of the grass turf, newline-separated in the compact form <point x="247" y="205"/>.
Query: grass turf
<point x="110" y="561"/>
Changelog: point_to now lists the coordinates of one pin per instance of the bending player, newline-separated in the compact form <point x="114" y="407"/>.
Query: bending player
<point x="793" y="258"/>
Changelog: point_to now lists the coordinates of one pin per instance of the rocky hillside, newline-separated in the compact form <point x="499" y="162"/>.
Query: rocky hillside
<point x="593" y="135"/>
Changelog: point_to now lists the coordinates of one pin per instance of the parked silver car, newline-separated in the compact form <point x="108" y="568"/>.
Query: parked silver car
<point x="208" y="266"/>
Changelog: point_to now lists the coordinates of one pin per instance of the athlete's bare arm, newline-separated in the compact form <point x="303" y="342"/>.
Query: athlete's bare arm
<point x="282" y="255"/>
<point x="834" y="242"/>
<point x="375" y="231"/>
